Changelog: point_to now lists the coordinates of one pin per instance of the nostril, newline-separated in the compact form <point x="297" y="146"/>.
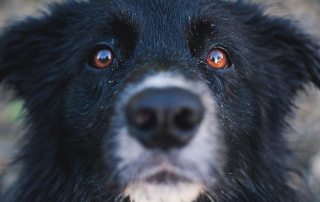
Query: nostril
<point x="186" y="119"/>
<point x="145" y="119"/>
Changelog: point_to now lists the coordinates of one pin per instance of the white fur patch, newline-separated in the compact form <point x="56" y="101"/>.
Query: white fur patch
<point x="148" y="192"/>
<point x="168" y="80"/>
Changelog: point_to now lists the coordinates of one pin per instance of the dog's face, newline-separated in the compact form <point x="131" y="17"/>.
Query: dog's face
<point x="160" y="100"/>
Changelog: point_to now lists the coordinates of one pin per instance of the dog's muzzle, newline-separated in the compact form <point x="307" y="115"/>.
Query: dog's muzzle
<point x="169" y="145"/>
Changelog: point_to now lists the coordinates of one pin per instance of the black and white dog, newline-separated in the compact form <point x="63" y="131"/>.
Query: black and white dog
<point x="157" y="101"/>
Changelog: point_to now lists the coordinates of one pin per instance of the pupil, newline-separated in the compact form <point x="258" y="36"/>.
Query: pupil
<point x="216" y="56"/>
<point x="104" y="56"/>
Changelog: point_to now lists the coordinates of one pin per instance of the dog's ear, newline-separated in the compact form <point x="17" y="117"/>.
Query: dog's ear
<point x="32" y="53"/>
<point x="296" y="53"/>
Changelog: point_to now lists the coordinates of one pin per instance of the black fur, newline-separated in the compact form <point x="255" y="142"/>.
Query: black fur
<point x="70" y="103"/>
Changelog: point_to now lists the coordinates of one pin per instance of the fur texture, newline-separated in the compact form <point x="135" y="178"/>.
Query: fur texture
<point x="77" y="147"/>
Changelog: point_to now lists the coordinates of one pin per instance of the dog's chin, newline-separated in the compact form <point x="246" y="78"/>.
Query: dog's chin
<point x="153" y="191"/>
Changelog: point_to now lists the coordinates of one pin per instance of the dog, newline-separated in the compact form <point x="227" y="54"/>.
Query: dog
<point x="157" y="101"/>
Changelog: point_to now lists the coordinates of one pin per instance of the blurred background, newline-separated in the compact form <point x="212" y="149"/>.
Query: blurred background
<point x="304" y="137"/>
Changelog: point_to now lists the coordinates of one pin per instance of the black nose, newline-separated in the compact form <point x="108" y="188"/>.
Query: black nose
<point x="164" y="118"/>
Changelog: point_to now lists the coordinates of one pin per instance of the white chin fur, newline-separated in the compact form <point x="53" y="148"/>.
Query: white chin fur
<point x="152" y="192"/>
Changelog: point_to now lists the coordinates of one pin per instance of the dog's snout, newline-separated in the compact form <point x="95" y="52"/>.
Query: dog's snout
<point x="164" y="118"/>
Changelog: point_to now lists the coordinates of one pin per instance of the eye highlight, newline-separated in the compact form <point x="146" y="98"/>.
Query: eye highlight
<point x="102" y="58"/>
<point x="218" y="59"/>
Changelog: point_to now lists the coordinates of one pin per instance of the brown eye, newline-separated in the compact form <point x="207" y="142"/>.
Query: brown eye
<point x="218" y="59"/>
<point x="103" y="58"/>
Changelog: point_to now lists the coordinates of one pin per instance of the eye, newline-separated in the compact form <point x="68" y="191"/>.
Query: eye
<point x="218" y="59"/>
<point x="102" y="58"/>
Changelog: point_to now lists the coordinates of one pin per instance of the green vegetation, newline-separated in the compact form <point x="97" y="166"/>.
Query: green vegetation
<point x="12" y="111"/>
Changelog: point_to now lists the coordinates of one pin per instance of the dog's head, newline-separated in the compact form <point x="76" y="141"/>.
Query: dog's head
<point x="159" y="100"/>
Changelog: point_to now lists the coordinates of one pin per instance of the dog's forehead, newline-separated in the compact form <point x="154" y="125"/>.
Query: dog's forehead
<point x="160" y="26"/>
<point x="169" y="9"/>
<point x="168" y="14"/>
